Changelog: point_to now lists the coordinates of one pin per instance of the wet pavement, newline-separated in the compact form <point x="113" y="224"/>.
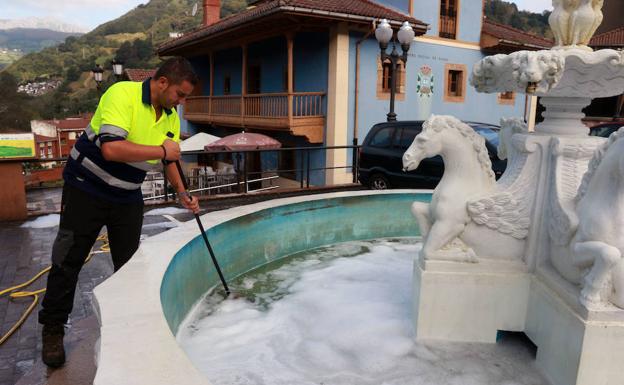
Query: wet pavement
<point x="26" y="251"/>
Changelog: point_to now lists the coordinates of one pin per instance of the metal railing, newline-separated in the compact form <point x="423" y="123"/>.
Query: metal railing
<point x="299" y="171"/>
<point x="302" y="173"/>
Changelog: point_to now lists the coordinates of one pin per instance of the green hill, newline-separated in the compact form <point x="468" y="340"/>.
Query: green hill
<point x="131" y="38"/>
<point x="507" y="13"/>
<point x="150" y="23"/>
<point x="15" y="42"/>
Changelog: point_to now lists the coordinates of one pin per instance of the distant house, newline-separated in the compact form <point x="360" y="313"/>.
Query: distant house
<point x="46" y="146"/>
<point x="308" y="72"/>
<point x="64" y="131"/>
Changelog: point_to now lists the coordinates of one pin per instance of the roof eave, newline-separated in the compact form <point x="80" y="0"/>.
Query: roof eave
<point x="419" y="29"/>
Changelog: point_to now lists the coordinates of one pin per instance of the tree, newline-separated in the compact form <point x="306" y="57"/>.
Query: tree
<point x="232" y="6"/>
<point x="15" y="114"/>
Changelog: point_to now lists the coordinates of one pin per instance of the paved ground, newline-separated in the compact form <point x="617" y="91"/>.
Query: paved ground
<point x="26" y="251"/>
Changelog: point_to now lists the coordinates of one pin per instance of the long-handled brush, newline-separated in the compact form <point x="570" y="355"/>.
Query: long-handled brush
<point x="201" y="228"/>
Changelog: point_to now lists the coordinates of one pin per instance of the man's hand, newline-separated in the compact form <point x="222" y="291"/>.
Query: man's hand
<point x="173" y="150"/>
<point x="189" y="202"/>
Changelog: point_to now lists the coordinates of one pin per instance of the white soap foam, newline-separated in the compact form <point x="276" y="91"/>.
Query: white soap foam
<point x="159" y="225"/>
<point x="43" y="221"/>
<point x="339" y="321"/>
<point x="167" y="210"/>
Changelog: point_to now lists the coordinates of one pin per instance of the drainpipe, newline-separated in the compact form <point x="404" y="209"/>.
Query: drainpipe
<point x="58" y="137"/>
<point x="355" y="108"/>
<point x="357" y="81"/>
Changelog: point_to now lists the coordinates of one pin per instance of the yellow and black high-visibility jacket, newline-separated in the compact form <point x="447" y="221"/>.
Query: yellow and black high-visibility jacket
<point x="125" y="112"/>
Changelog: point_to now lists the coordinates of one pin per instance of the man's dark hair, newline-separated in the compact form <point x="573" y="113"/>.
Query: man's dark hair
<point x="177" y="69"/>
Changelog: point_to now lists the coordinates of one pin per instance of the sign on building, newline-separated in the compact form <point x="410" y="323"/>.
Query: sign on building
<point x="17" y="146"/>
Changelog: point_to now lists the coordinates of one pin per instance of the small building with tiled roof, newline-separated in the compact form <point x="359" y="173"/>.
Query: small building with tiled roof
<point x="65" y="132"/>
<point x="500" y="38"/>
<point x="46" y="146"/>
<point x="611" y="39"/>
<point x="137" y="74"/>
<point x="308" y="73"/>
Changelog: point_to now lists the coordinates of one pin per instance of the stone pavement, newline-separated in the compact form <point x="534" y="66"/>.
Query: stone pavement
<point x="26" y="251"/>
<point x="43" y="200"/>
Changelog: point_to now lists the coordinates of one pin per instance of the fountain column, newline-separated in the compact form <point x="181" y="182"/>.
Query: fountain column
<point x="545" y="291"/>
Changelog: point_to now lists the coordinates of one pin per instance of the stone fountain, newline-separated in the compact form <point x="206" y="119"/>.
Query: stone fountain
<point x="540" y="250"/>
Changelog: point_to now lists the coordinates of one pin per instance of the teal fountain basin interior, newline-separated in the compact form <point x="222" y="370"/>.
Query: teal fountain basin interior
<point x="141" y="307"/>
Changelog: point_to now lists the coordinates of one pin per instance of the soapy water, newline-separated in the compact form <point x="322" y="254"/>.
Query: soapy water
<point x="44" y="221"/>
<point x="338" y="315"/>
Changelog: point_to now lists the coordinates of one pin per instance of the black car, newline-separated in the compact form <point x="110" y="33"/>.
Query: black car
<point x="605" y="129"/>
<point x="380" y="163"/>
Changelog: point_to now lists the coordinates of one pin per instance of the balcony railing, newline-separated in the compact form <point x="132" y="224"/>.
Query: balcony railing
<point x="301" y="113"/>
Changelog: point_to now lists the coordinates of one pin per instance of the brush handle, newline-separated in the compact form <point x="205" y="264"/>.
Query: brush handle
<point x="201" y="227"/>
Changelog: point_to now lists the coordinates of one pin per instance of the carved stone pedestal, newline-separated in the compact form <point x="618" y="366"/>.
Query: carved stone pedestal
<point x="574" y="346"/>
<point x="472" y="302"/>
<point x="469" y="302"/>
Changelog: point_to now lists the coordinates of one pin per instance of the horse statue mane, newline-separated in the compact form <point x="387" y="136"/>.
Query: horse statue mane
<point x="595" y="162"/>
<point x="437" y="123"/>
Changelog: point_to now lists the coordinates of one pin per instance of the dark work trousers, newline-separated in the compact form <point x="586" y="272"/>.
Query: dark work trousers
<point x="82" y="218"/>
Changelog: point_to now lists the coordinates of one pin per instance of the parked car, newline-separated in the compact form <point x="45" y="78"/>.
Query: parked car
<point x="380" y="163"/>
<point x="605" y="129"/>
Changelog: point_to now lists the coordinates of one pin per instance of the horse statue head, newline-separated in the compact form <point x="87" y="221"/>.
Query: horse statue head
<point x="441" y="132"/>
<point x="426" y="144"/>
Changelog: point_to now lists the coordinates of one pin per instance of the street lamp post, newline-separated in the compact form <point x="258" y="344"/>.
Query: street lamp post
<point x="117" y="69"/>
<point x="97" y="75"/>
<point x="384" y="34"/>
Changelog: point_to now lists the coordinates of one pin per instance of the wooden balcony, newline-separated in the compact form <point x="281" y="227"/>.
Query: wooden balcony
<point x="300" y="113"/>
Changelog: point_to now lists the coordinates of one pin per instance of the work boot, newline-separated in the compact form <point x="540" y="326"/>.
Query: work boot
<point x="53" y="352"/>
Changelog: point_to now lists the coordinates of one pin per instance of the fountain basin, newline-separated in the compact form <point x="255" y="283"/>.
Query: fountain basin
<point x="140" y="308"/>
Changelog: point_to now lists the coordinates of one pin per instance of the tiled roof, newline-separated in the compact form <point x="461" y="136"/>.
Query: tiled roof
<point x="613" y="38"/>
<point x="138" y="75"/>
<point x="43" y="138"/>
<point x="512" y="36"/>
<point x="71" y="123"/>
<point x="353" y="10"/>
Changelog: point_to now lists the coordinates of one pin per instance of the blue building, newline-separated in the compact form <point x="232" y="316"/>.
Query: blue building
<point x="308" y="72"/>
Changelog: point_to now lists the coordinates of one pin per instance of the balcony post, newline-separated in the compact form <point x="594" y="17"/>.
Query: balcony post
<point x="243" y="85"/>
<point x="211" y="92"/>
<point x="289" y="45"/>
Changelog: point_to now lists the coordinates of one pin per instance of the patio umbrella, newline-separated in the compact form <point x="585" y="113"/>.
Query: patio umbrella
<point x="243" y="141"/>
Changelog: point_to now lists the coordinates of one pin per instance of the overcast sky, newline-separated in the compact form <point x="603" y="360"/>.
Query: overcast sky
<point x="91" y="13"/>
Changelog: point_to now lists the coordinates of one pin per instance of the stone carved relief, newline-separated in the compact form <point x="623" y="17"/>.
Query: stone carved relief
<point x="594" y="253"/>
<point x="481" y="221"/>
<point x="570" y="160"/>
<point x="540" y="69"/>
<point x="566" y="73"/>
<point x="574" y="22"/>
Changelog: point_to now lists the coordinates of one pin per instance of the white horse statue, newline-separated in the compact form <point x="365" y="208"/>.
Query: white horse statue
<point x="465" y="204"/>
<point x="597" y="235"/>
